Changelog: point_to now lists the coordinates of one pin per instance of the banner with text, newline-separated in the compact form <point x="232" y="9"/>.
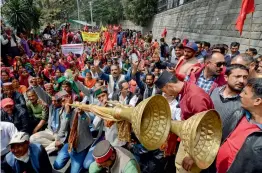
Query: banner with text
<point x="74" y="48"/>
<point x="90" y="37"/>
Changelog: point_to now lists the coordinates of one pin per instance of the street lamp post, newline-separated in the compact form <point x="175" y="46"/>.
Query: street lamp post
<point x="77" y="2"/>
<point x="91" y="11"/>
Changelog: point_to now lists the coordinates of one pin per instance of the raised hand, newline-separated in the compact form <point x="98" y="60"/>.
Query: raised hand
<point x="96" y="62"/>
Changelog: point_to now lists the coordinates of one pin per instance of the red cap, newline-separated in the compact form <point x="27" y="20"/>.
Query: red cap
<point x="7" y="101"/>
<point x="105" y="157"/>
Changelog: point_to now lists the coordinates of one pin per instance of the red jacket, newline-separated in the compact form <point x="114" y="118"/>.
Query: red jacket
<point x="220" y="80"/>
<point x="193" y="100"/>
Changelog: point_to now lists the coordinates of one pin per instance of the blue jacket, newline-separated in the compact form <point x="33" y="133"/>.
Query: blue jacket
<point x="38" y="157"/>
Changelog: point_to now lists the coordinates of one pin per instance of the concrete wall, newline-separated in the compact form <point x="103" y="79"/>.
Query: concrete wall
<point x="210" y="20"/>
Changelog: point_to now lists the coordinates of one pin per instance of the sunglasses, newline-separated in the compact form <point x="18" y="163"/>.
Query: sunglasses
<point x="219" y="64"/>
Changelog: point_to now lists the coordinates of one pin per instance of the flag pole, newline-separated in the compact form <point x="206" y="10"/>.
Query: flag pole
<point x="250" y="30"/>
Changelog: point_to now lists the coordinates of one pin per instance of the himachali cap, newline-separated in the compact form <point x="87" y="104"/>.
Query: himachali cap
<point x="192" y="45"/>
<point x="7" y="101"/>
<point x="100" y="90"/>
<point x="48" y="85"/>
<point x="103" y="151"/>
<point x="60" y="95"/>
<point x="163" y="79"/>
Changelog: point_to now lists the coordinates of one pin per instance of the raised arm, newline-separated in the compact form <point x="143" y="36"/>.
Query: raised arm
<point x="83" y="88"/>
<point x="140" y="84"/>
<point x="43" y="95"/>
<point x="101" y="74"/>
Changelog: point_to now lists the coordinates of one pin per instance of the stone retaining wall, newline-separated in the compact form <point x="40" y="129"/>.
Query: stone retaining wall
<point x="209" y="20"/>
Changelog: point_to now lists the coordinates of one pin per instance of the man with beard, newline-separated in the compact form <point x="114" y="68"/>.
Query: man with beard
<point x="226" y="99"/>
<point x="241" y="148"/>
<point x="186" y="62"/>
<point x="211" y="74"/>
<point x="148" y="88"/>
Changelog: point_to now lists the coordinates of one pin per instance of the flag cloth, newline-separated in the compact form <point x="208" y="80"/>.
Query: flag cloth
<point x="248" y="6"/>
<point x="64" y="40"/>
<point x="163" y="35"/>
<point x="108" y="43"/>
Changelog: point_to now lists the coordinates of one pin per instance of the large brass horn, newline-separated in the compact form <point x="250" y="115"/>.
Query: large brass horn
<point x="151" y="122"/>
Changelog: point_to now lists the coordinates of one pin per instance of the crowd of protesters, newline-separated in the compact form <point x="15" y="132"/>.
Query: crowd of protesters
<point x="38" y="82"/>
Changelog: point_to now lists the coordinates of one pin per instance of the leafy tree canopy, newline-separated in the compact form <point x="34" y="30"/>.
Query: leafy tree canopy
<point x="140" y="11"/>
<point x="23" y="15"/>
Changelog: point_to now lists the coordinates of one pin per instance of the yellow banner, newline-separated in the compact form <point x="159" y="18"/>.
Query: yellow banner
<point x="90" y="37"/>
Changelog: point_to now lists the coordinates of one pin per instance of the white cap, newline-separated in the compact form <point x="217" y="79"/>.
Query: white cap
<point x="19" y="137"/>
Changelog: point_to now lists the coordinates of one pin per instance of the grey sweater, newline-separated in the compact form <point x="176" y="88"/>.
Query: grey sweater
<point x="224" y="106"/>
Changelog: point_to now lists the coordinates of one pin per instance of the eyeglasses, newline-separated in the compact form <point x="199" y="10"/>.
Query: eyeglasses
<point x="219" y="64"/>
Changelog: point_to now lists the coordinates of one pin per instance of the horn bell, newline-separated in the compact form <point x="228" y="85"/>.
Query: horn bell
<point x="201" y="136"/>
<point x="151" y="121"/>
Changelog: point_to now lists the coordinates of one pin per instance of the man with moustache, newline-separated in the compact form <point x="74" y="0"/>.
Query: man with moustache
<point x="211" y="73"/>
<point x="241" y="148"/>
<point x="114" y="78"/>
<point x="226" y="99"/>
<point x="148" y="88"/>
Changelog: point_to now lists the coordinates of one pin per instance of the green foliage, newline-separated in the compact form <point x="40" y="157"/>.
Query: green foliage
<point x="105" y="11"/>
<point x="23" y="15"/>
<point x="140" y="11"/>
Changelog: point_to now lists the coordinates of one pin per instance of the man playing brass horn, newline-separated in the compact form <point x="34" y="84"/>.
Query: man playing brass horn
<point x="192" y="100"/>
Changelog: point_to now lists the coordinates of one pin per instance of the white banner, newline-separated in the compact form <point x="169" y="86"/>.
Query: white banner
<point x="74" y="48"/>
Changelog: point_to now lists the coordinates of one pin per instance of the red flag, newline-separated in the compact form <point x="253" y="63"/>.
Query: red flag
<point x="107" y="43"/>
<point x="64" y="40"/>
<point x="248" y="6"/>
<point x="114" y="38"/>
<point x="163" y="35"/>
<point x="85" y="28"/>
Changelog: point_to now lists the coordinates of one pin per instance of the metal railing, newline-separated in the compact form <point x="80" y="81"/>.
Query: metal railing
<point x="164" y="5"/>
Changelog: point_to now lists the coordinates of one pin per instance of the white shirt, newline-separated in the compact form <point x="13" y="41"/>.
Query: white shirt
<point x="18" y="40"/>
<point x="3" y="40"/>
<point x="7" y="131"/>
<point x="175" y="111"/>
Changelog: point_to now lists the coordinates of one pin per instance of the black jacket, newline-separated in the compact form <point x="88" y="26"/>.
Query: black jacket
<point x="17" y="98"/>
<point x="249" y="157"/>
<point x="159" y="65"/>
<point x="19" y="118"/>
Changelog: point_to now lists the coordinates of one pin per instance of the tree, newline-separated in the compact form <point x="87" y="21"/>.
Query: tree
<point x="140" y="11"/>
<point x="23" y="15"/>
<point x="105" y="11"/>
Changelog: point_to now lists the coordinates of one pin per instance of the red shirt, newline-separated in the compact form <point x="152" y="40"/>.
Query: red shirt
<point x="233" y="144"/>
<point x="193" y="100"/>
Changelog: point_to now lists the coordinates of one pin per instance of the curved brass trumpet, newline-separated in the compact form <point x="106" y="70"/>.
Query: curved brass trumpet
<point x="151" y="122"/>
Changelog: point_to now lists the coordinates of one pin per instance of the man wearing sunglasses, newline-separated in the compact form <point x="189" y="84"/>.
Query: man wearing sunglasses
<point x="211" y="73"/>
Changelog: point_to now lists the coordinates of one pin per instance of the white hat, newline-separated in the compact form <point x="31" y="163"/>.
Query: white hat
<point x="19" y="137"/>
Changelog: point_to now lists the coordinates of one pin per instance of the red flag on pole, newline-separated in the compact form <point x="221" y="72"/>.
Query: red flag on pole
<point x="163" y="35"/>
<point x="64" y="36"/>
<point x="248" y="6"/>
<point x="107" y="43"/>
